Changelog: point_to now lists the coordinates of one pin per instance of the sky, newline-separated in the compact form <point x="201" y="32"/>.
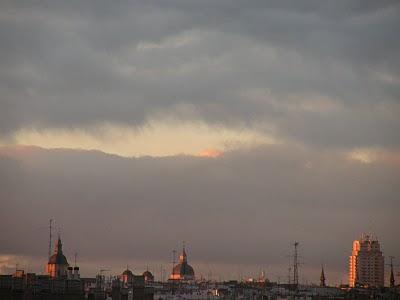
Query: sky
<point x="236" y="126"/>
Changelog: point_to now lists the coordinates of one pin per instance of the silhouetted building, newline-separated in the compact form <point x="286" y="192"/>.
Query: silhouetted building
<point x="22" y="286"/>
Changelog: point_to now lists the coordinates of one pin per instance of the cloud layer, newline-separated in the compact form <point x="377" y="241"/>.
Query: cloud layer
<point x="316" y="73"/>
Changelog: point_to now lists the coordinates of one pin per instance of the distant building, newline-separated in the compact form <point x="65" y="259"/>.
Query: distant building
<point x="366" y="263"/>
<point x="182" y="271"/>
<point x="57" y="267"/>
<point x="130" y="286"/>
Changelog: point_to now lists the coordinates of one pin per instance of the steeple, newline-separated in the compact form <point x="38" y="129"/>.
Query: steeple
<point x="322" y="278"/>
<point x="58" y="246"/>
<point x="391" y="281"/>
<point x="183" y="256"/>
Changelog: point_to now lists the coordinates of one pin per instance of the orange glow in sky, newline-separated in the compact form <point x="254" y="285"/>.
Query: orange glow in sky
<point x="212" y="153"/>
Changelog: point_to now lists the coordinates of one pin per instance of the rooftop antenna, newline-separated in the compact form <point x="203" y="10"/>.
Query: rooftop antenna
<point x="75" y="256"/>
<point x="295" y="265"/>
<point x="172" y="276"/>
<point x="161" y="273"/>
<point x="50" y="235"/>
<point x="173" y="262"/>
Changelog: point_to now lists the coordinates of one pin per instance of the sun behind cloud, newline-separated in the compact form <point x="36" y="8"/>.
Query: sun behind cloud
<point x="210" y="153"/>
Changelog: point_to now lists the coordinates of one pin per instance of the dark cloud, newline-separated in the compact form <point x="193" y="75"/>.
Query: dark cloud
<point x="254" y="203"/>
<point x="80" y="63"/>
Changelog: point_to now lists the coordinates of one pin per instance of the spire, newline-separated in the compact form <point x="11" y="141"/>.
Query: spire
<point x="322" y="278"/>
<point x="391" y="281"/>
<point x="58" y="247"/>
<point x="183" y="256"/>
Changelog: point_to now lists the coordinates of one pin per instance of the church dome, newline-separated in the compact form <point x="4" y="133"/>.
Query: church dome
<point x="58" y="264"/>
<point x="58" y="258"/>
<point x="184" y="270"/>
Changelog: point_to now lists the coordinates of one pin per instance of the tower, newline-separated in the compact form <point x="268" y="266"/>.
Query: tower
<point x="366" y="263"/>
<point x="322" y="278"/>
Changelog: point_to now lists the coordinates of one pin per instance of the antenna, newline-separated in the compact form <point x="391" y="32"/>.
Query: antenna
<point x="173" y="262"/>
<point x="172" y="275"/>
<point x="161" y="279"/>
<point x="295" y="265"/>
<point x="50" y="235"/>
<point x="75" y="256"/>
<point x="58" y="231"/>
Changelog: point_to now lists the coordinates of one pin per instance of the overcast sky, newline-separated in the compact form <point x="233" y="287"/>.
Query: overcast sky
<point x="237" y="126"/>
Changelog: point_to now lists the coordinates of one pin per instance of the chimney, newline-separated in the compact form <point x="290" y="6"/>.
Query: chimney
<point x="69" y="273"/>
<point x="76" y="273"/>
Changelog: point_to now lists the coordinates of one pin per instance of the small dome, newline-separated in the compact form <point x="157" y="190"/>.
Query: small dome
<point x="148" y="276"/>
<point x="127" y="272"/>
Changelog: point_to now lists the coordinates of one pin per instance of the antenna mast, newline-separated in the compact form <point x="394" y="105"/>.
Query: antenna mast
<point x="295" y="266"/>
<point x="173" y="262"/>
<point x="50" y="235"/>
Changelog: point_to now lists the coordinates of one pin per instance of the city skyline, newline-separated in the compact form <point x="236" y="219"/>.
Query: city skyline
<point x="238" y="127"/>
<point x="163" y="272"/>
